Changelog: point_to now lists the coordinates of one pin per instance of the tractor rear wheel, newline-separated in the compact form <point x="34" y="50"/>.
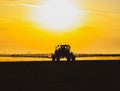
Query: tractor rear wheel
<point x="68" y="58"/>
<point x="53" y="58"/>
<point x="58" y="59"/>
<point x="73" y="57"/>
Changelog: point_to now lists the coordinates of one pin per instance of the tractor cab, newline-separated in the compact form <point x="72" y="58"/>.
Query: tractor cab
<point x="62" y="49"/>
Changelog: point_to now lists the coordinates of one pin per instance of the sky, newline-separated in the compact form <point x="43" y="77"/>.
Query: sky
<point x="97" y="31"/>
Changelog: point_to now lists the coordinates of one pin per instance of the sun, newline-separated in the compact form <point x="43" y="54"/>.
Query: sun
<point x="57" y="15"/>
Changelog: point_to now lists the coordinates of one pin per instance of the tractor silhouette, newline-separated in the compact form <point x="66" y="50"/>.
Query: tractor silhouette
<point x="63" y="51"/>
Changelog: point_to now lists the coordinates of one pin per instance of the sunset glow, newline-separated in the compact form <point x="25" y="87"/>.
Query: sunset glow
<point x="37" y="26"/>
<point x="58" y="15"/>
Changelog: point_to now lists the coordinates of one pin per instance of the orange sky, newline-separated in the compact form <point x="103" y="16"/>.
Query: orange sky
<point x="98" y="31"/>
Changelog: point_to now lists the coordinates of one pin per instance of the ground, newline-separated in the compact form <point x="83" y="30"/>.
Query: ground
<point x="59" y="76"/>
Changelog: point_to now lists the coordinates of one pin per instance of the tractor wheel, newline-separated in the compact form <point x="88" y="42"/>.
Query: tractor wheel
<point x="68" y="58"/>
<point x="58" y="59"/>
<point x="53" y="58"/>
<point x="73" y="58"/>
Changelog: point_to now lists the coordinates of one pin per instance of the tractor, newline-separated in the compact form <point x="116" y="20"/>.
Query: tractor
<point x="63" y="51"/>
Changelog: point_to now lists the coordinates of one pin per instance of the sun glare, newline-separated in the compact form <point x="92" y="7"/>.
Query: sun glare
<point x="57" y="15"/>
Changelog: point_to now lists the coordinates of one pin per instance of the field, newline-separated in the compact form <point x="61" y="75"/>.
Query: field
<point x="60" y="76"/>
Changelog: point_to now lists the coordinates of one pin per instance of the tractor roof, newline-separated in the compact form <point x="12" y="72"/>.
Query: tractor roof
<point x="63" y="45"/>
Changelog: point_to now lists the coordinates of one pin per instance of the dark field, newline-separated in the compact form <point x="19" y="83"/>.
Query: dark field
<point x="60" y="76"/>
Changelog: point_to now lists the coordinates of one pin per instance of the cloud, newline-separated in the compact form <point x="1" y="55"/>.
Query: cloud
<point x="10" y="2"/>
<point x="7" y="2"/>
